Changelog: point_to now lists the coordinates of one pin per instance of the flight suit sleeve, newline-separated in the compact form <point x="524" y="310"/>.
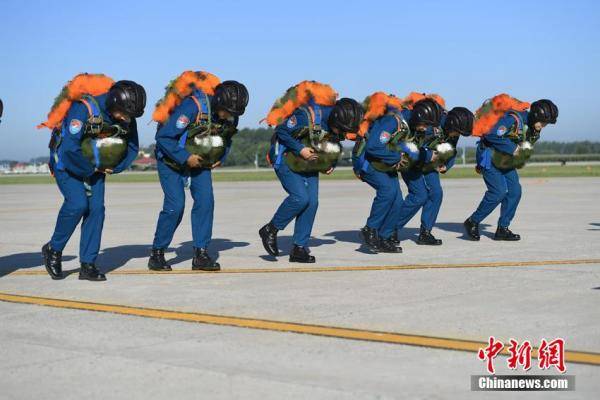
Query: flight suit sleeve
<point x="285" y="131"/>
<point x="378" y="138"/>
<point x="425" y="151"/>
<point x="73" y="129"/>
<point x="133" y="147"/>
<point x="425" y="154"/>
<point x="450" y="163"/>
<point x="497" y="138"/>
<point x="168" y="136"/>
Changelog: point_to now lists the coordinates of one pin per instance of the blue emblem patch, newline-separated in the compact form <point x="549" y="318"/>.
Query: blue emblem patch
<point x="385" y="137"/>
<point x="501" y="130"/>
<point x="182" y="121"/>
<point x="292" y="122"/>
<point x="75" y="126"/>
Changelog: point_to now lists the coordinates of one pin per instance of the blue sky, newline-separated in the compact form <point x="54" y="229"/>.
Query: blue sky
<point x="466" y="51"/>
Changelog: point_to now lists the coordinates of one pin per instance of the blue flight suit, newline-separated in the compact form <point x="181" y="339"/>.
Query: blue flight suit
<point x="302" y="188"/>
<point x="388" y="198"/>
<point x="503" y="185"/>
<point x="80" y="184"/>
<point x="170" y="145"/>
<point x="435" y="193"/>
<point x="418" y="190"/>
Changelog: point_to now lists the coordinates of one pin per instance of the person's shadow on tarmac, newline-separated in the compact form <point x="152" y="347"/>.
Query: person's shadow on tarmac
<point x="458" y="227"/>
<point x="353" y="236"/>
<point x="15" y="262"/>
<point x="285" y="244"/>
<point x="113" y="258"/>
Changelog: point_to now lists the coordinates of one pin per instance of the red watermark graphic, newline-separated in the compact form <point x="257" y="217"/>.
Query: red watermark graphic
<point x="550" y="354"/>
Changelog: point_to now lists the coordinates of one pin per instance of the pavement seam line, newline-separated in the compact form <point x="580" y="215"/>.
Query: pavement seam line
<point x="578" y="357"/>
<point x="499" y="264"/>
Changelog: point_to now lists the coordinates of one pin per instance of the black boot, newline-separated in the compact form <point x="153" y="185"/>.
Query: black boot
<point x="394" y="238"/>
<point x="268" y="234"/>
<point x="426" y="238"/>
<point x="89" y="272"/>
<point x="203" y="262"/>
<point x="387" y="246"/>
<point x="369" y="237"/>
<point x="157" y="261"/>
<point x="300" y="254"/>
<point x="52" y="261"/>
<point x="503" y="233"/>
<point x="472" y="229"/>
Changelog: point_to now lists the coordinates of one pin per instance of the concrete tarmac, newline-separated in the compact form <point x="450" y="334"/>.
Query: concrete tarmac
<point x="545" y="286"/>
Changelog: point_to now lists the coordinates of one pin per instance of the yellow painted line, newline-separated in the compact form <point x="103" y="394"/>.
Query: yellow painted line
<point x="579" y="357"/>
<point x="499" y="264"/>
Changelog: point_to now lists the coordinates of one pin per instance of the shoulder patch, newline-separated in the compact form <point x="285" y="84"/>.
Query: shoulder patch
<point x="501" y="130"/>
<point x="75" y="126"/>
<point x="292" y="122"/>
<point x="182" y="121"/>
<point x="385" y="137"/>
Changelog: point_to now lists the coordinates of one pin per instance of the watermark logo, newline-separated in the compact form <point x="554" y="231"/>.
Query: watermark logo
<point x="521" y="355"/>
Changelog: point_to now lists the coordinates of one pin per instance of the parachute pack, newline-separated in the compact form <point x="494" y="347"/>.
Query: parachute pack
<point x="182" y="87"/>
<point x="297" y="96"/>
<point x="102" y="144"/>
<point x="378" y="104"/>
<point x="490" y="113"/>
<point x="75" y="90"/>
<point x="492" y="110"/>
<point x="409" y="101"/>
<point x="324" y="143"/>
<point x="202" y="137"/>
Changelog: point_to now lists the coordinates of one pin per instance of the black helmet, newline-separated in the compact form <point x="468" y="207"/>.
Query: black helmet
<point x="346" y="115"/>
<point x="231" y="96"/>
<point x="542" y="111"/>
<point x="426" y="111"/>
<point x="460" y="120"/>
<point x="127" y="97"/>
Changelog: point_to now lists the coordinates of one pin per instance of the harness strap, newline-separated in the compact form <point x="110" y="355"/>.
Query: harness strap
<point x="95" y="120"/>
<point x="203" y="107"/>
<point x="363" y="163"/>
<point x="203" y="115"/>
<point x="314" y="115"/>
<point x="399" y="121"/>
<point x="519" y="123"/>
<point x="96" y="152"/>
<point x="92" y="106"/>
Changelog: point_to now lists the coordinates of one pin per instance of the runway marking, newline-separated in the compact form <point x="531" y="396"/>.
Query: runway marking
<point x="499" y="264"/>
<point x="579" y="357"/>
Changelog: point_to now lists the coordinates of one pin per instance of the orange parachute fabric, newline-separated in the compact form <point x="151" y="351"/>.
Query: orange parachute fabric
<point x="493" y="109"/>
<point x="409" y="101"/>
<point x="181" y="87"/>
<point x="297" y="96"/>
<point x="376" y="105"/>
<point x="74" y="90"/>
